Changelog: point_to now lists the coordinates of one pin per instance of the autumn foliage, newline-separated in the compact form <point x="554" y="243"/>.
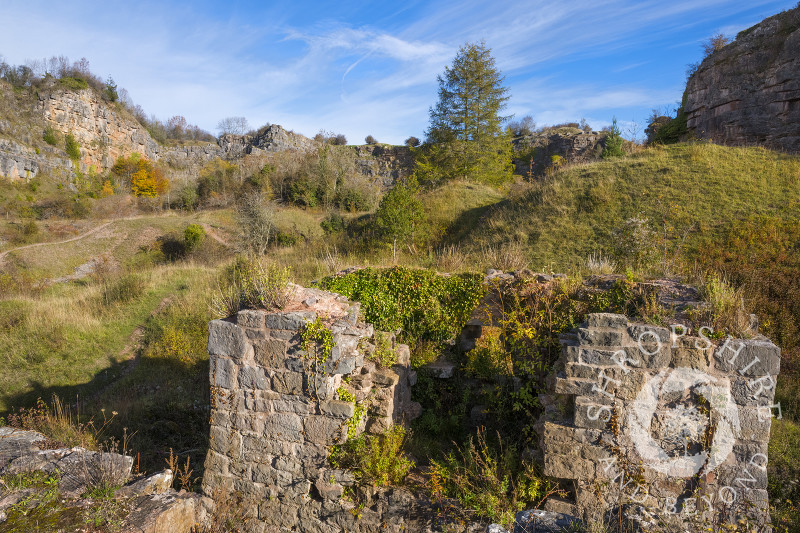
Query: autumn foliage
<point x="143" y="177"/>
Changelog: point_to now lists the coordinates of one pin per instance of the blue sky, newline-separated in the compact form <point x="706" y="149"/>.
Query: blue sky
<point x="370" y="67"/>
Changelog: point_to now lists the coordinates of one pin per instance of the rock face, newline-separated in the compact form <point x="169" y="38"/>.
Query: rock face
<point x="386" y="163"/>
<point x="656" y="426"/>
<point x="570" y="145"/>
<point x="276" y="410"/>
<point x="103" y="132"/>
<point x="272" y="138"/>
<point x="749" y="91"/>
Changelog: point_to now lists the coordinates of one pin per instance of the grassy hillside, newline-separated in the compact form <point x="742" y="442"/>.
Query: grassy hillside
<point x="681" y="190"/>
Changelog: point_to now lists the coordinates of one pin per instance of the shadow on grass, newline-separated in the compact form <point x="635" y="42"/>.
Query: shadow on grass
<point x="153" y="406"/>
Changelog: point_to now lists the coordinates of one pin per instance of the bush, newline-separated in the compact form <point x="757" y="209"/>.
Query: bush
<point x="333" y="223"/>
<point x="193" y="236"/>
<point x="525" y="126"/>
<point x="375" y="459"/>
<point x="50" y="136"/>
<point x="412" y="141"/>
<point x="369" y="139"/>
<point x="490" y="481"/>
<point x="714" y="43"/>
<point x="72" y="147"/>
<point x="425" y="305"/>
<point x="668" y="131"/>
<point x="339" y="140"/>
<point x="123" y="290"/>
<point x="74" y="84"/>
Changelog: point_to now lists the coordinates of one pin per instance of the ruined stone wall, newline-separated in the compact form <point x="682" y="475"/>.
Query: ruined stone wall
<point x="276" y="413"/>
<point x="661" y="425"/>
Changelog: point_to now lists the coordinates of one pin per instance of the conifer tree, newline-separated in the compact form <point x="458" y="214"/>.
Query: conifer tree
<point x="465" y="138"/>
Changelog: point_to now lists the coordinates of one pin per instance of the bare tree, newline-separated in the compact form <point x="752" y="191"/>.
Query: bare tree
<point x="256" y="220"/>
<point x="235" y="125"/>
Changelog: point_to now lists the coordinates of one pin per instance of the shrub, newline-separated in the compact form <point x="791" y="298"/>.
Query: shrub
<point x="193" y="236"/>
<point x="525" y="126"/>
<point x="72" y="147"/>
<point x="123" y="289"/>
<point x="425" y="305"/>
<point x="412" y="141"/>
<point x="50" y="136"/>
<point x="375" y="459"/>
<point x="724" y="311"/>
<point x="490" y="481"/>
<point x="669" y="131"/>
<point x="369" y="139"/>
<point x="715" y="43"/>
<point x="255" y="218"/>
<point x="339" y="140"/>
<point x="332" y="223"/>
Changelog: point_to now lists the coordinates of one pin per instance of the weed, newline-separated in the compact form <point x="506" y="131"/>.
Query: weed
<point x="250" y="284"/>
<point x="375" y="459"/>
<point x="724" y="310"/>
<point x="61" y="427"/>
<point x="490" y="480"/>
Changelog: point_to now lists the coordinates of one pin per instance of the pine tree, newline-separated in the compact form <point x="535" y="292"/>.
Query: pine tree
<point x="465" y="138"/>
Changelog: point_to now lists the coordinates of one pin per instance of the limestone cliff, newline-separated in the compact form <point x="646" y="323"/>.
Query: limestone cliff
<point x="749" y="91"/>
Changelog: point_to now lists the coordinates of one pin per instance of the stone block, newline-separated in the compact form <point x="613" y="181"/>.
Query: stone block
<point x="249" y="422"/>
<point x="287" y="335"/>
<point x="324" y="430"/>
<point x="688" y="356"/>
<point x="226" y="442"/>
<point x="756" y="357"/>
<point x="379" y="425"/>
<point x="217" y="463"/>
<point x="606" y="320"/>
<point x="250" y="318"/>
<point x="325" y="386"/>
<point x="223" y="372"/>
<point x="288" y="383"/>
<point x="228" y="339"/>
<point x="382" y="403"/>
<point x="570" y="466"/>
<point x="574" y="386"/>
<point x="602" y="337"/>
<point x="251" y="377"/>
<point x="299" y="405"/>
<point x="593" y="412"/>
<point x="289" y="321"/>
<point x="270" y="353"/>
<point x="337" y="408"/>
<point x="385" y="377"/>
<point x="647" y="334"/>
<point x="283" y="426"/>
<point x="403" y="354"/>
<point x="287" y="464"/>
<point x="261" y="401"/>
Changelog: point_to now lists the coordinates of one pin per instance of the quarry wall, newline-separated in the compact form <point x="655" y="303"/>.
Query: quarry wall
<point x="748" y="92"/>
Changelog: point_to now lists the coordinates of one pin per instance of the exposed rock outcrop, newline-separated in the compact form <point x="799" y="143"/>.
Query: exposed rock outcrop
<point x="570" y="145"/>
<point x="748" y="93"/>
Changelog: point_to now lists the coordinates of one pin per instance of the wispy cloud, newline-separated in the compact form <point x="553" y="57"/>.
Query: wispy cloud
<point x="369" y="67"/>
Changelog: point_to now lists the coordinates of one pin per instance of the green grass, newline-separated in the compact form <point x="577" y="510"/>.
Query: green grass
<point x="679" y="188"/>
<point x="69" y="339"/>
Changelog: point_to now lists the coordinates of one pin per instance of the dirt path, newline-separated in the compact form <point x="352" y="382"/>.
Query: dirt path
<point x="211" y="232"/>
<point x="81" y="236"/>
